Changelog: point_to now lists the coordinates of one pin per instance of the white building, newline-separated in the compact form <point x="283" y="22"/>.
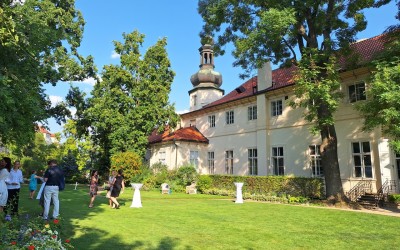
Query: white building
<point x="253" y="131"/>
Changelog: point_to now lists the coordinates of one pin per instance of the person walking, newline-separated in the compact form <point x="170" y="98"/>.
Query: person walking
<point x="5" y="163"/>
<point x="118" y="187"/>
<point x="53" y="177"/>
<point x="111" y="179"/>
<point x="94" y="179"/>
<point x="33" y="184"/>
<point x="14" y="186"/>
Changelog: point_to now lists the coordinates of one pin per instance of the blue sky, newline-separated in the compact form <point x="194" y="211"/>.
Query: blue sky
<point x="177" y="20"/>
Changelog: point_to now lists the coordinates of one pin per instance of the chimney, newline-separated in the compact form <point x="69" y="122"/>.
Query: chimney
<point x="264" y="79"/>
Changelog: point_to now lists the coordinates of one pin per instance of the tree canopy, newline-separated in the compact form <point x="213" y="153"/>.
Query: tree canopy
<point x="130" y="101"/>
<point x="302" y="33"/>
<point x="38" y="45"/>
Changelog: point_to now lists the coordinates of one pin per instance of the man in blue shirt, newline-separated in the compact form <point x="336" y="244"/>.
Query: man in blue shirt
<point x="53" y="177"/>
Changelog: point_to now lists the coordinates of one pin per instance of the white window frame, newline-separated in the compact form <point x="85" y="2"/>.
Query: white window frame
<point x="358" y="93"/>
<point x="229" y="162"/>
<point x="278" y="160"/>
<point x="252" y="113"/>
<point x="230" y="117"/>
<point x="211" y="121"/>
<point x="211" y="162"/>
<point x="252" y="161"/>
<point x="276" y="107"/>
<point x="194" y="158"/>
<point x="161" y="157"/>
<point x="361" y="159"/>
<point x="314" y="153"/>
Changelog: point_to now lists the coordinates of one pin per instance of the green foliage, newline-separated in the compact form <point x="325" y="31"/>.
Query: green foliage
<point x="382" y="107"/>
<point x="29" y="164"/>
<point x="395" y="198"/>
<point x="130" y="101"/>
<point x="267" y="185"/>
<point x="130" y="162"/>
<point x="38" y="45"/>
<point x="70" y="167"/>
<point x="204" y="182"/>
<point x="187" y="175"/>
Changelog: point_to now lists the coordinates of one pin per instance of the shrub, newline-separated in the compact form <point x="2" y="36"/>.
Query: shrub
<point x="186" y="175"/>
<point x="395" y="198"/>
<point x="129" y="162"/>
<point x="204" y="183"/>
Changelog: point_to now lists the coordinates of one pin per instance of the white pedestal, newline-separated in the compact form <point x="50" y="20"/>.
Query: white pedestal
<point x="239" y="196"/>
<point x="136" y="201"/>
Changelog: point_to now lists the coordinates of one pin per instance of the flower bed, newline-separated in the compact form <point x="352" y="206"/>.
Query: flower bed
<point x="32" y="233"/>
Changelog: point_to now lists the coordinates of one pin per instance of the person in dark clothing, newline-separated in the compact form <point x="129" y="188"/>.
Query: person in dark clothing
<point x="118" y="186"/>
<point x="53" y="178"/>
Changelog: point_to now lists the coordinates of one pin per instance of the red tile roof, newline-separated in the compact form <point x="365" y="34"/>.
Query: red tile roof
<point x="183" y="134"/>
<point x="364" y="50"/>
<point x="45" y="131"/>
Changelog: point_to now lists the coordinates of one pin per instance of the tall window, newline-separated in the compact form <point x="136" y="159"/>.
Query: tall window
<point x="252" y="113"/>
<point x="194" y="158"/>
<point x="277" y="161"/>
<point x="161" y="157"/>
<point x="230" y="117"/>
<point x="357" y="92"/>
<point x="252" y="157"/>
<point x="211" y="121"/>
<point x="362" y="159"/>
<point x="229" y="162"/>
<point x="276" y="108"/>
<point x="398" y="164"/>
<point x="210" y="160"/>
<point x="315" y="160"/>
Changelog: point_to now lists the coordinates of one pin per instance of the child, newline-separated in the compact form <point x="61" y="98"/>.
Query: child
<point x="33" y="184"/>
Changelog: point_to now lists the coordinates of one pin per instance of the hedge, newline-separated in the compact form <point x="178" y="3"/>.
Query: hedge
<point x="264" y="185"/>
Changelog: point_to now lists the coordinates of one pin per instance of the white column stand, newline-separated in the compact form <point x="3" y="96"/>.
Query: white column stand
<point x="136" y="201"/>
<point x="239" y="197"/>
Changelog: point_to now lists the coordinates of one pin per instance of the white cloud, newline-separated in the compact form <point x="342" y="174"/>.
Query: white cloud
<point x="54" y="99"/>
<point x="91" y="81"/>
<point x="115" y="55"/>
<point x="182" y="111"/>
<point x="73" y="111"/>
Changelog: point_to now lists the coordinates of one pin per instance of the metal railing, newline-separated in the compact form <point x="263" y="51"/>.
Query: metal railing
<point x="388" y="187"/>
<point x="359" y="190"/>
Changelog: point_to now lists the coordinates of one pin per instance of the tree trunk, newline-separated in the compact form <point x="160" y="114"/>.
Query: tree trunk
<point x="330" y="163"/>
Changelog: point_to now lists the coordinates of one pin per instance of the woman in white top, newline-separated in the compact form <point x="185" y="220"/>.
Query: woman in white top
<point x="4" y="174"/>
<point x="14" y="185"/>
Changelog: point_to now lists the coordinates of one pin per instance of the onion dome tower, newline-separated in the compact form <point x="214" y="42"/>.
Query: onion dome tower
<point x="206" y="82"/>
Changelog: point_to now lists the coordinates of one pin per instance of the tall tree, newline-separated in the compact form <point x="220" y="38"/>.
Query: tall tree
<point x="38" y="45"/>
<point x="274" y="30"/>
<point x="382" y="107"/>
<point x="131" y="100"/>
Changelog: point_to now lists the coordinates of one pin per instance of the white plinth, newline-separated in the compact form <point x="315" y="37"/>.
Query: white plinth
<point x="136" y="200"/>
<point x="239" y="196"/>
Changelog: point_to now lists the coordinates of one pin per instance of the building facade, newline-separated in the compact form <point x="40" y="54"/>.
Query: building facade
<point x="253" y="131"/>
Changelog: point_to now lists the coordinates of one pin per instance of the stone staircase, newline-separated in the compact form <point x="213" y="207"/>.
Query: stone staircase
<point x="368" y="201"/>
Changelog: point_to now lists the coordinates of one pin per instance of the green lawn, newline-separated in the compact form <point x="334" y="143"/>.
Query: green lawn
<point x="181" y="221"/>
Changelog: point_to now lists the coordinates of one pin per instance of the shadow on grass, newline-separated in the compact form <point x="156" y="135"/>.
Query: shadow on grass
<point x="74" y="206"/>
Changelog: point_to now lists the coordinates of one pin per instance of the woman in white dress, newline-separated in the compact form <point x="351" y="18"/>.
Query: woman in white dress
<point x="4" y="174"/>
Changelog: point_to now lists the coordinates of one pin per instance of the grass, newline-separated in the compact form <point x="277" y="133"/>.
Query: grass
<point x="181" y="221"/>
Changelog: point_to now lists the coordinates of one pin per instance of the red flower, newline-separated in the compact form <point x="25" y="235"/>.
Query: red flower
<point x="67" y="241"/>
<point x="54" y="236"/>
<point x="31" y="247"/>
<point x="55" y="221"/>
<point x="13" y="243"/>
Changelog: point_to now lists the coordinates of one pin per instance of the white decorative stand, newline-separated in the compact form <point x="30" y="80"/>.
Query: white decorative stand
<point x="136" y="201"/>
<point x="239" y="197"/>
